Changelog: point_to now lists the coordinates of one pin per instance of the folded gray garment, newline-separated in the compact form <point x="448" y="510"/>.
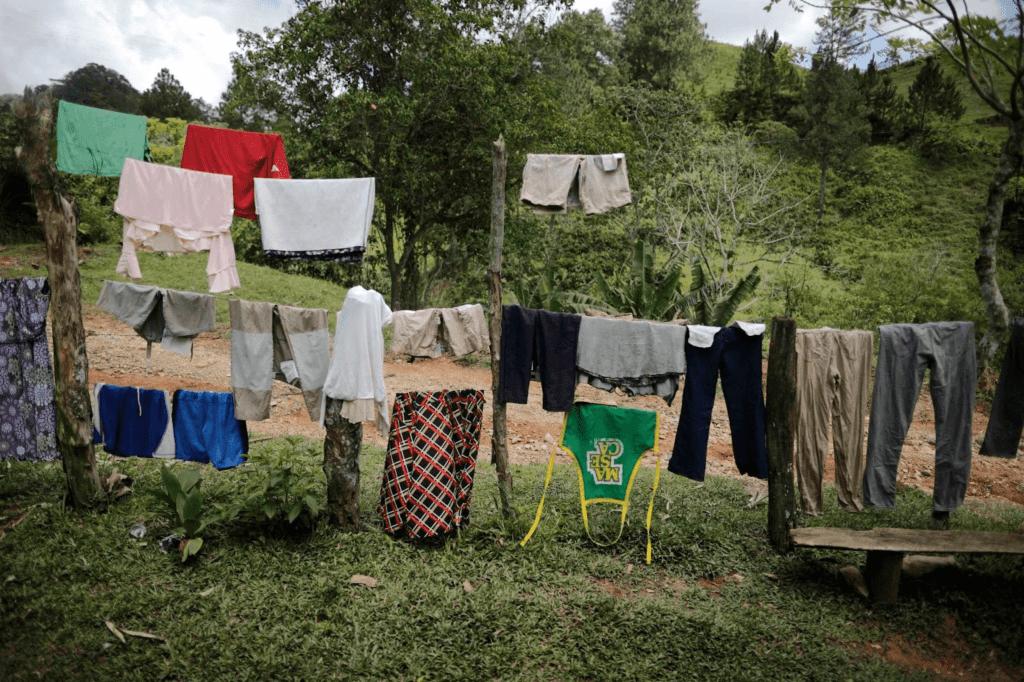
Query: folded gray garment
<point x="169" y="316"/>
<point x="642" y="358"/>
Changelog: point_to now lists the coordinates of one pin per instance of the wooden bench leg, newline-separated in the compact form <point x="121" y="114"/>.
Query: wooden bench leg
<point x="883" y="575"/>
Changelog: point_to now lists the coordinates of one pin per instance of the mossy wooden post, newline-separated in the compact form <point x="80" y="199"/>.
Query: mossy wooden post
<point x="780" y="425"/>
<point x="499" y="434"/>
<point x="57" y="215"/>
<point x="341" y="466"/>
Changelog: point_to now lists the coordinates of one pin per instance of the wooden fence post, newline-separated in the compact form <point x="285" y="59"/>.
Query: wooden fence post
<point x="58" y="218"/>
<point x="499" y="434"/>
<point x="341" y="466"/>
<point x="780" y="425"/>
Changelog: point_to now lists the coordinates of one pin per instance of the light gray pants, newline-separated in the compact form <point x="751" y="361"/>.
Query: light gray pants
<point x="906" y="350"/>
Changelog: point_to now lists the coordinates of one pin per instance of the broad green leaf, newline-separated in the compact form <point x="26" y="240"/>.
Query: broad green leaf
<point x="170" y="481"/>
<point x="193" y="505"/>
<point x="270" y="509"/>
<point x="189" y="478"/>
<point x="192" y="548"/>
<point x="295" y="510"/>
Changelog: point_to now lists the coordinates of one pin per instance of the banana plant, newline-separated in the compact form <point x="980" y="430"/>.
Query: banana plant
<point x="641" y="292"/>
<point x="713" y="302"/>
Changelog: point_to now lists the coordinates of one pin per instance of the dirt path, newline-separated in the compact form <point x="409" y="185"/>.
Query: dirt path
<point x="118" y="356"/>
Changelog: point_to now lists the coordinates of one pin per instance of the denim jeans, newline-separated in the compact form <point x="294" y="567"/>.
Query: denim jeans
<point x="738" y="357"/>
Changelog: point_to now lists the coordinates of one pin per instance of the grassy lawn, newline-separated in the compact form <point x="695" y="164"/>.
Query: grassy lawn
<point x="262" y="603"/>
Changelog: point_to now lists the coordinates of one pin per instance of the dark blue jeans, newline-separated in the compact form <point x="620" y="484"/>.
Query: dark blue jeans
<point x="738" y="356"/>
<point x="1005" y="425"/>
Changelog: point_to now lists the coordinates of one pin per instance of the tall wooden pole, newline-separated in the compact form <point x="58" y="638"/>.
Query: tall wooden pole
<point x="341" y="466"/>
<point x="58" y="218"/>
<point x="499" y="436"/>
<point x="780" y="426"/>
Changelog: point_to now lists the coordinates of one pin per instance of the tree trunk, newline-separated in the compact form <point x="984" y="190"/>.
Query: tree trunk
<point x="780" y="422"/>
<point x="70" y="362"/>
<point x="499" y="434"/>
<point x="988" y="237"/>
<point x="341" y="466"/>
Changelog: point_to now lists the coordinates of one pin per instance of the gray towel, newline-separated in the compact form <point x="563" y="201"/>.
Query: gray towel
<point x="270" y="342"/>
<point x="169" y="316"/>
<point x="642" y="358"/>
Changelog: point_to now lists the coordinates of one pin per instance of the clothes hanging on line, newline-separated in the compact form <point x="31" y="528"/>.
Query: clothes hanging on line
<point x="242" y="155"/>
<point x="421" y="333"/>
<point x="28" y="416"/>
<point x="270" y="341"/>
<point x="555" y="183"/>
<point x="431" y="460"/>
<point x="607" y="443"/>
<point x="641" y="358"/>
<point x="735" y="352"/>
<point x="172" y="318"/>
<point x="1006" y="422"/>
<point x="325" y="219"/>
<point x="356" y="373"/>
<point x="542" y="339"/>
<point x="133" y="422"/>
<point x="177" y="211"/>
<point x="94" y="141"/>
<point x="905" y="351"/>
<point x="206" y="431"/>
<point x="833" y="379"/>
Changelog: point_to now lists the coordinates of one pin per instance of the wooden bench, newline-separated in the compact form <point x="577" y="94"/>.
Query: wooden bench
<point x="886" y="547"/>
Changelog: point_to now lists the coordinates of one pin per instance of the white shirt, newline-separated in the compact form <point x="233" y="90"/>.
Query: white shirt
<point x="357" y="364"/>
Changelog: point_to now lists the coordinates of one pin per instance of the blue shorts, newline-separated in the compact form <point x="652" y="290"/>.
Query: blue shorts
<point x="134" y="420"/>
<point x="205" y="429"/>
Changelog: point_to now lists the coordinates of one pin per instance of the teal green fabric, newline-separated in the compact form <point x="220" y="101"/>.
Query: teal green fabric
<point x="96" y="141"/>
<point x="607" y="443"/>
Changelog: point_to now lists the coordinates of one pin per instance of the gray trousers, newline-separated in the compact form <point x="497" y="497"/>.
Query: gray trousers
<point x="906" y="350"/>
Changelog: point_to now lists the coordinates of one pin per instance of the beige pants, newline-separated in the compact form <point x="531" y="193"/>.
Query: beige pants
<point x="832" y="381"/>
<point x="418" y="332"/>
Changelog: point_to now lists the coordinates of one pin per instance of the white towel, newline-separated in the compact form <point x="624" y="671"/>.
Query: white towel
<point x="326" y="219"/>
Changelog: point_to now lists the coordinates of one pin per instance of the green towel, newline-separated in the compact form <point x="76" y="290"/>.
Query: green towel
<point x="96" y="141"/>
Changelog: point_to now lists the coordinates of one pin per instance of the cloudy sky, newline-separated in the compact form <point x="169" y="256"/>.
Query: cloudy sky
<point x="44" y="39"/>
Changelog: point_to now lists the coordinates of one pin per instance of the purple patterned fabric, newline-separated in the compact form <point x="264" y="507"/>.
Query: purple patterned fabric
<point x="28" y="417"/>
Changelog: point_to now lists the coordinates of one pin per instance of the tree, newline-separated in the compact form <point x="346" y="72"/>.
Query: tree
<point x="166" y="98"/>
<point x="833" y="127"/>
<point x="58" y="217"/>
<point x="885" y="106"/>
<point x="240" y="116"/>
<point x="663" y="42"/>
<point x="97" y="86"/>
<point x="991" y="55"/>
<point x="933" y="94"/>
<point x="409" y="92"/>
<point x="767" y="84"/>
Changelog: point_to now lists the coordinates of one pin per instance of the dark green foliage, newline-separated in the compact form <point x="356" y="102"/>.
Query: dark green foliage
<point x="767" y="85"/>
<point x="933" y="94"/>
<point x="544" y="292"/>
<point x="885" y="106"/>
<point x="181" y="494"/>
<point x="663" y="42"/>
<point x="97" y="86"/>
<point x="166" y="98"/>
<point x="833" y="125"/>
<point x="713" y="302"/>
<point x="642" y="291"/>
<point x="290" y="486"/>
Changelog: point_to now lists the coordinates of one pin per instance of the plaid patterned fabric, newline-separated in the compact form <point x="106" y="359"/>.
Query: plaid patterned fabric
<point x="432" y="449"/>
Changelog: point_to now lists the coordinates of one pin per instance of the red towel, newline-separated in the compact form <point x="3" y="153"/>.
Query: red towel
<point x="239" y="154"/>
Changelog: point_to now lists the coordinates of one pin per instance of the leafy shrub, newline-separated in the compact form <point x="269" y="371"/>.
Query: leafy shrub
<point x="184" y="499"/>
<point x="291" y="487"/>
